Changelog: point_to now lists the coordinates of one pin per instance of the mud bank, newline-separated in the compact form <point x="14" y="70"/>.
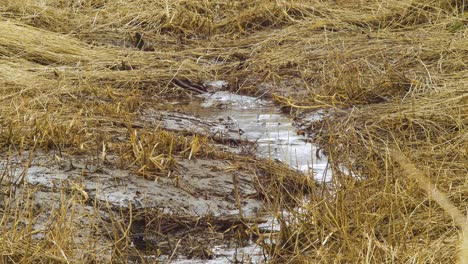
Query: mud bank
<point x="202" y="195"/>
<point x="199" y="187"/>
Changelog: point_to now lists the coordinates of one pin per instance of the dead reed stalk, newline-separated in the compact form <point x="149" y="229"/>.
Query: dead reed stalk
<point x="460" y="220"/>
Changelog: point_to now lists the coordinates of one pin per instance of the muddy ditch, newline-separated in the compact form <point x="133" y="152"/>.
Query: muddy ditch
<point x="209" y="210"/>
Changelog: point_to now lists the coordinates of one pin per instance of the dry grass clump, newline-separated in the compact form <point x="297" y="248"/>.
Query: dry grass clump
<point x="42" y="47"/>
<point x="154" y="152"/>
<point x="338" y="68"/>
<point x="46" y="15"/>
<point x="183" y="18"/>
<point x="422" y="12"/>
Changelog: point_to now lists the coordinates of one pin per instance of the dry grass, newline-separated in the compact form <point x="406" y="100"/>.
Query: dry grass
<point x="393" y="75"/>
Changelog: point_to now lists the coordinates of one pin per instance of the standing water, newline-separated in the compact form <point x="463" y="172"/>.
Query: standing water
<point x="260" y="121"/>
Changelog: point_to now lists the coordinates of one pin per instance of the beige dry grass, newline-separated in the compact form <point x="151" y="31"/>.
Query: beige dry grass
<point x="393" y="74"/>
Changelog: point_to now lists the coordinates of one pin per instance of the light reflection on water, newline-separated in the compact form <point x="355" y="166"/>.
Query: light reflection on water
<point x="263" y="123"/>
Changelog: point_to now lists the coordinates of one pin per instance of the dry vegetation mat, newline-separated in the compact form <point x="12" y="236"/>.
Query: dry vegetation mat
<point x="391" y="77"/>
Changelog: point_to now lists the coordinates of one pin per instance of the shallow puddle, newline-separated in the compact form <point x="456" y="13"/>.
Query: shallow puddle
<point x="263" y="123"/>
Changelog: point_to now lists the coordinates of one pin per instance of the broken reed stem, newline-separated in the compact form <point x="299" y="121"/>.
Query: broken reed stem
<point x="463" y="255"/>
<point x="26" y="167"/>
<point x="439" y="197"/>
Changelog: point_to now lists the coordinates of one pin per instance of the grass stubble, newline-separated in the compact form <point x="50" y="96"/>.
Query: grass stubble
<point x="391" y="76"/>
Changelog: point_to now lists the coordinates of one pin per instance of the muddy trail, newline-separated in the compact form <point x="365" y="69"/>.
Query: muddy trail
<point x="205" y="209"/>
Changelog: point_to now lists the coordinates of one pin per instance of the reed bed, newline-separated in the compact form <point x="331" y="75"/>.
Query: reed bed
<point x="391" y="76"/>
